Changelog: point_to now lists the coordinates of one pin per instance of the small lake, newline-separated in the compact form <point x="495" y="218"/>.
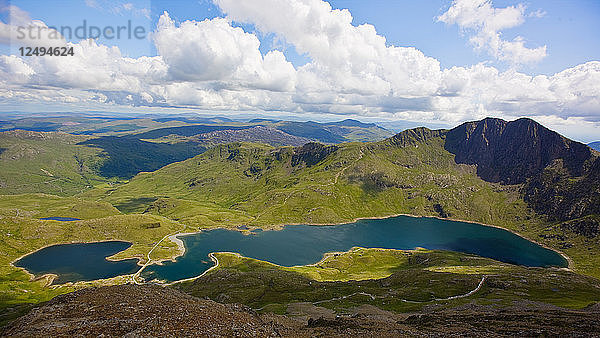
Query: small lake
<point x="79" y="262"/>
<point x="304" y="244"/>
<point x="62" y="219"/>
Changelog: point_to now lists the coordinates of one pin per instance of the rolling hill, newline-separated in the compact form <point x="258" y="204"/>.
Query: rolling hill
<point x="43" y="158"/>
<point x="64" y="164"/>
<point x="152" y="126"/>
<point x="47" y="162"/>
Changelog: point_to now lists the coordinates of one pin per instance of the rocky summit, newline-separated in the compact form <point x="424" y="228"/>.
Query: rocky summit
<point x="153" y="311"/>
<point x="511" y="152"/>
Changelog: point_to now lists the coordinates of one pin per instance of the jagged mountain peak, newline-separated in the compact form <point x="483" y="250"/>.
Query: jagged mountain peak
<point x="511" y="151"/>
<point x="414" y="136"/>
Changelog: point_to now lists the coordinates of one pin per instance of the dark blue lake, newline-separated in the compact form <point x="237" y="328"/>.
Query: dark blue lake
<point x="62" y="219"/>
<point x="79" y="262"/>
<point x="304" y="244"/>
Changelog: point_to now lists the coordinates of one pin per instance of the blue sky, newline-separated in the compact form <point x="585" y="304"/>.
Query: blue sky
<point x="568" y="28"/>
<point x="447" y="68"/>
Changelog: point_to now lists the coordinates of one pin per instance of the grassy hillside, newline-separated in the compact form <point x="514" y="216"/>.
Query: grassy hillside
<point x="254" y="184"/>
<point x="52" y="163"/>
<point x="65" y="164"/>
<point x="124" y="157"/>
<point x="319" y="184"/>
<point x="58" y="163"/>
<point x="412" y="280"/>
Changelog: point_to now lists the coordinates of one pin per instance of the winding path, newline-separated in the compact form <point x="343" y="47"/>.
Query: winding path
<point x="373" y="297"/>
<point x="468" y="293"/>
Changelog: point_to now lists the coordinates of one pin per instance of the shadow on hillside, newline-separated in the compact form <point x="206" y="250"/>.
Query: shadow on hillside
<point x="135" y="204"/>
<point x="126" y="156"/>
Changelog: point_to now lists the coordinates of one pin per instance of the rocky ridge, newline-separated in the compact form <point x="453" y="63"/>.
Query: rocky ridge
<point x="136" y="311"/>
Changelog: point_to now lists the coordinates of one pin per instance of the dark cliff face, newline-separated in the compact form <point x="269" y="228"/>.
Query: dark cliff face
<point x="560" y="177"/>
<point x="512" y="152"/>
<point x="311" y="153"/>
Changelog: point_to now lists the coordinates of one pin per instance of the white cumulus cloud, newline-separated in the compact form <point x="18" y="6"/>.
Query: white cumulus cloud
<point x="486" y="23"/>
<point x="344" y="57"/>
<point x="213" y="50"/>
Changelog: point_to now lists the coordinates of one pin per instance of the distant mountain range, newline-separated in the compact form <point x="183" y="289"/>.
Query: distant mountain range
<point x="257" y="134"/>
<point x="132" y="145"/>
<point x="156" y="127"/>
<point x="595" y="145"/>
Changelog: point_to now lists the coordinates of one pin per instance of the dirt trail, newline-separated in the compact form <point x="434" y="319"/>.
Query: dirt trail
<point x="373" y="297"/>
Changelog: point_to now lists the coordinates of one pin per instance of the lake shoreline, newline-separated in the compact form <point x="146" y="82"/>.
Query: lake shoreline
<point x="181" y="249"/>
<point x="32" y="277"/>
<point x="278" y="227"/>
<point x="214" y="259"/>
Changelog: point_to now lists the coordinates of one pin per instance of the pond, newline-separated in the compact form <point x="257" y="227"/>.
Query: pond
<point x="61" y="219"/>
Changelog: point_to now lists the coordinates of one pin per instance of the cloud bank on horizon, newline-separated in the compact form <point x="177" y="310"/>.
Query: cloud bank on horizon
<point x="215" y="65"/>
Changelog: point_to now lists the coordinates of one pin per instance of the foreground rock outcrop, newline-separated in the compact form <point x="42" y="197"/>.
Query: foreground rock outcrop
<point x="137" y="311"/>
<point x="130" y="310"/>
